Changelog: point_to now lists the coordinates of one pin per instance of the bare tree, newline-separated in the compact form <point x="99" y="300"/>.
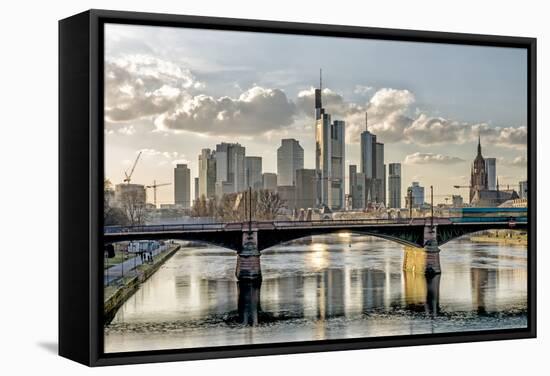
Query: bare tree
<point x="134" y="208"/>
<point x="200" y="207"/>
<point x="268" y="204"/>
<point x="111" y="215"/>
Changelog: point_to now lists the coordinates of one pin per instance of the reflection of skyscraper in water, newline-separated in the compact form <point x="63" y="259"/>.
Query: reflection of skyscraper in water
<point x="421" y="293"/>
<point x="479" y="278"/>
<point x="329" y="155"/>
<point x="374" y="283"/>
<point x="334" y="292"/>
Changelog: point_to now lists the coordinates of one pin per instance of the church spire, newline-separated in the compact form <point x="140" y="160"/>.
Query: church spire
<point x="479" y="144"/>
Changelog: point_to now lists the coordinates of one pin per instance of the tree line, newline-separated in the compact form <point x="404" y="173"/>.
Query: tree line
<point x="262" y="204"/>
<point x="130" y="209"/>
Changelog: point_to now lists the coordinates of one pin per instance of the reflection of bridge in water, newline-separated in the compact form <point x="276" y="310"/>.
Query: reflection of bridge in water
<point x="421" y="236"/>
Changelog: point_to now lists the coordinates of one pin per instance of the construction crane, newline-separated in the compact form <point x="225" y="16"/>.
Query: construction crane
<point x="155" y="186"/>
<point x="128" y="177"/>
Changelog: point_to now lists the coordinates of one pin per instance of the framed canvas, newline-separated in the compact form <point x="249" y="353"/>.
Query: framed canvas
<point x="234" y="187"/>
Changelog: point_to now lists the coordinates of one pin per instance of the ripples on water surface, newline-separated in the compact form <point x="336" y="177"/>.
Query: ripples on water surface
<point x="325" y="287"/>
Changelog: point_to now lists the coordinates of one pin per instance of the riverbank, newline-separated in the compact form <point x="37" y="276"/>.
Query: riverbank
<point x="116" y="295"/>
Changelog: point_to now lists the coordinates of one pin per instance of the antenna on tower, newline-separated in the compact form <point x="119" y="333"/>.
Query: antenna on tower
<point x="366" y="120"/>
<point x="321" y="79"/>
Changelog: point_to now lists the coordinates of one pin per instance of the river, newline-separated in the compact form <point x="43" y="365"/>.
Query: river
<point x="324" y="287"/>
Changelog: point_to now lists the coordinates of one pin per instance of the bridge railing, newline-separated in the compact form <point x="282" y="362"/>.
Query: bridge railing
<point x="243" y="226"/>
<point x="220" y="226"/>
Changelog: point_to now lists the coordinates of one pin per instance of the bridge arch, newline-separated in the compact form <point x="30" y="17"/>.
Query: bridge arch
<point x="457" y="235"/>
<point x="407" y="236"/>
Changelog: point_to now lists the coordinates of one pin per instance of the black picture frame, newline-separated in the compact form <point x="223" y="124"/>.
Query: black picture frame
<point x="81" y="185"/>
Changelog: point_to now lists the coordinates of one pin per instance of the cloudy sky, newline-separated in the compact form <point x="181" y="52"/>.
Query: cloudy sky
<point x="170" y="92"/>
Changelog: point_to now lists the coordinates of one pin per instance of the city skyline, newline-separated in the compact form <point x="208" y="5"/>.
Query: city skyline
<point x="434" y="141"/>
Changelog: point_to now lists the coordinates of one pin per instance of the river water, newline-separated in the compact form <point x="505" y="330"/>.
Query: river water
<point x="323" y="287"/>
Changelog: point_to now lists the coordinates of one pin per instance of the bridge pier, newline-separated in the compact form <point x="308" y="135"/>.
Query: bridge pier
<point x="248" y="260"/>
<point x="424" y="260"/>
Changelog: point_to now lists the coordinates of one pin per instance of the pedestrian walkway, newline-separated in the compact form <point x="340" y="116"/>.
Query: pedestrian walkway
<point x="126" y="268"/>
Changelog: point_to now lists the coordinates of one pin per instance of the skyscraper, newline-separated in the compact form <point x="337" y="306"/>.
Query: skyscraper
<point x="329" y="156"/>
<point x="523" y="189"/>
<point x="491" y="168"/>
<point x="253" y="172"/>
<point x="394" y="185"/>
<point x="357" y="188"/>
<point x="380" y="182"/>
<point x="182" y="186"/>
<point x="372" y="165"/>
<point x="196" y="188"/>
<point x="290" y="157"/>
<point x="230" y="168"/>
<point x="207" y="173"/>
<point x="416" y="193"/>
<point x="306" y="188"/>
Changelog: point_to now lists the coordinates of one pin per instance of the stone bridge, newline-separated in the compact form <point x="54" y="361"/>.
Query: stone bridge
<point x="421" y="237"/>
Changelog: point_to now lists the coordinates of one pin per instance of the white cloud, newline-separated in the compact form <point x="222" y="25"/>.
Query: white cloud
<point x="519" y="161"/>
<point x="141" y="87"/>
<point x="362" y="89"/>
<point x="138" y="86"/>
<point x="128" y="130"/>
<point x="430" y="158"/>
<point x="255" y="111"/>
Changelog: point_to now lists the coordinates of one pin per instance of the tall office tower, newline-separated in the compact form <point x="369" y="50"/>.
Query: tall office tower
<point x="207" y="173"/>
<point x="394" y="185"/>
<point x="253" y="172"/>
<point x="380" y="195"/>
<point x="329" y="156"/>
<point x="491" y="168"/>
<point x="306" y="188"/>
<point x="182" y="186"/>
<point x="372" y="165"/>
<point x="416" y="193"/>
<point x="357" y="188"/>
<point x="269" y="180"/>
<point x="523" y="189"/>
<point x="230" y="168"/>
<point x="290" y="157"/>
<point x="196" y="188"/>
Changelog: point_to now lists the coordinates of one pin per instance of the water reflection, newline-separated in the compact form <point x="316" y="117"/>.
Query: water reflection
<point x="321" y="288"/>
<point x="249" y="302"/>
<point x="421" y="295"/>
